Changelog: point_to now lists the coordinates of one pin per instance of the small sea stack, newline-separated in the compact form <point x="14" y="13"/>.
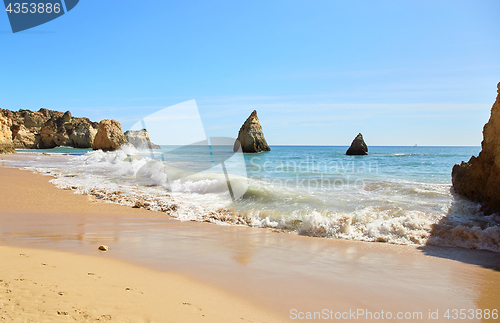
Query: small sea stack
<point x="251" y="138"/>
<point x="479" y="178"/>
<point x="358" y="147"/>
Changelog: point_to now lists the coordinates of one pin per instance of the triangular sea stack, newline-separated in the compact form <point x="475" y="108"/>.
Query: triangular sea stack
<point x="251" y="138"/>
<point x="479" y="178"/>
<point x="358" y="146"/>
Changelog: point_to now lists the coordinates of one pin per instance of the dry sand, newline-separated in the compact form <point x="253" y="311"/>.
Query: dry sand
<point x="53" y="286"/>
<point x="226" y="272"/>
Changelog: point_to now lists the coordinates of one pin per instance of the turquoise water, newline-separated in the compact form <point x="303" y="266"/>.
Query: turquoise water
<point x="394" y="194"/>
<point x="426" y="164"/>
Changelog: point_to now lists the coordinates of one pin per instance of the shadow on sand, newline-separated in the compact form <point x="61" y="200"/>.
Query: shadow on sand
<point x="485" y="259"/>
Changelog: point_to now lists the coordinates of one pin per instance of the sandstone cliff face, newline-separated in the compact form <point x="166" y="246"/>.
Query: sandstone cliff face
<point x="36" y="119"/>
<point x="140" y="139"/>
<point x="479" y="178"/>
<point x="6" y="144"/>
<point x="23" y="138"/>
<point x="251" y="138"/>
<point x="83" y="133"/>
<point x="110" y="136"/>
<point x="358" y="146"/>
<point x="49" y="129"/>
<point x="53" y="134"/>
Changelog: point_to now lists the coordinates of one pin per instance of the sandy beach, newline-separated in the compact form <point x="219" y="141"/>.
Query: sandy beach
<point x="164" y="270"/>
<point x="51" y="286"/>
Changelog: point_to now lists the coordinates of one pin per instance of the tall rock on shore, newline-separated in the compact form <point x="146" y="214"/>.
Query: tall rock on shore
<point x="110" y="136"/>
<point x="358" y="146"/>
<point x="479" y="178"/>
<point x="6" y="144"/>
<point x="251" y="138"/>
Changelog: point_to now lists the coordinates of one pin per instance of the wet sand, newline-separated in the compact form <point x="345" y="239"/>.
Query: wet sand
<point x="283" y="273"/>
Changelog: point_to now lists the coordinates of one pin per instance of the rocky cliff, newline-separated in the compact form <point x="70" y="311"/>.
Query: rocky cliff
<point x="110" y="136"/>
<point x="6" y="144"/>
<point x="49" y="129"/>
<point x="251" y="138"/>
<point x="479" y="178"/>
<point x="140" y="139"/>
<point x="358" y="146"/>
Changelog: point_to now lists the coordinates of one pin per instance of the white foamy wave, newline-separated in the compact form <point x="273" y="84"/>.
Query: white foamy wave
<point x="149" y="173"/>
<point x="202" y="186"/>
<point x="366" y="224"/>
<point x="111" y="157"/>
<point x="466" y="237"/>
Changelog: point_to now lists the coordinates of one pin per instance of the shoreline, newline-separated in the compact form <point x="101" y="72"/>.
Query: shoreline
<point x="276" y="271"/>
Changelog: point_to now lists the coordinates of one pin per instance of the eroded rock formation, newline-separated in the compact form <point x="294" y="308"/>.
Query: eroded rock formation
<point x="479" y="178"/>
<point x="6" y="144"/>
<point x="358" y="146"/>
<point x="251" y="138"/>
<point x="83" y="133"/>
<point x="110" y="136"/>
<point x="23" y="138"/>
<point x="49" y="129"/>
<point x="140" y="139"/>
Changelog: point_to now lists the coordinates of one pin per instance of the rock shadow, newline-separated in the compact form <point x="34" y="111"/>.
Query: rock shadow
<point x="466" y="234"/>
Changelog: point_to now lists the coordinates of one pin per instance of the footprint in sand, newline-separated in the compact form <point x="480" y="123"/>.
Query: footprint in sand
<point x="92" y="274"/>
<point x="191" y="305"/>
<point x="104" y="318"/>
<point x="130" y="290"/>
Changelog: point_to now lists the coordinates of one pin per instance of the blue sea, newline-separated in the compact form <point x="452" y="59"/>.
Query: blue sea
<point x="400" y="195"/>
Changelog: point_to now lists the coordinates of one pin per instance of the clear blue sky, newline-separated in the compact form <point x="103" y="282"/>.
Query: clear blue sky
<point x="317" y="72"/>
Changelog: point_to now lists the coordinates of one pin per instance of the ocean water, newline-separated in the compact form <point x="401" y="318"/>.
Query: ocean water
<point x="400" y="195"/>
